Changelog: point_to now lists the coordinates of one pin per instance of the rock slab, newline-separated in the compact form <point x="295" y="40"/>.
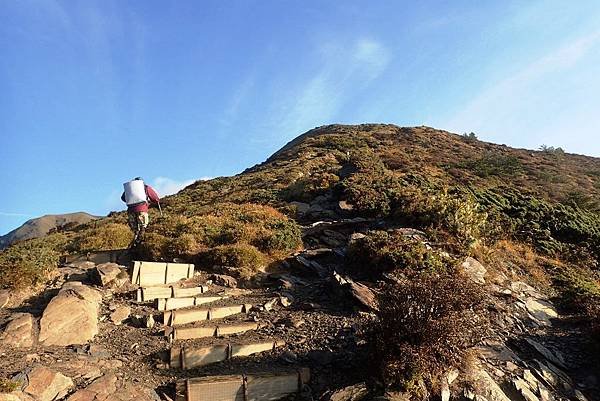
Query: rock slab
<point x="19" y="331"/>
<point x="45" y="384"/>
<point x="109" y="387"/>
<point x="71" y="317"/>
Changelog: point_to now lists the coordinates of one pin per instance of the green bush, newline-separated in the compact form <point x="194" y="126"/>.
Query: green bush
<point x="102" y="238"/>
<point x="28" y="263"/>
<point x="244" y="259"/>
<point x="380" y="251"/>
<point x="493" y="164"/>
<point x="8" y="386"/>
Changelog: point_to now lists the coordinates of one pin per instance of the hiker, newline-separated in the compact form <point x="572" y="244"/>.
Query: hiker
<point x="138" y="196"/>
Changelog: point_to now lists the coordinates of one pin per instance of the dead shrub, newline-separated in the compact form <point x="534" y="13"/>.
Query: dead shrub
<point x="425" y="327"/>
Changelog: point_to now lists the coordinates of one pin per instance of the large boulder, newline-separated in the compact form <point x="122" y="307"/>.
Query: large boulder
<point x="71" y="317"/>
<point x="109" y="387"/>
<point x="19" y="331"/>
<point x="44" y="384"/>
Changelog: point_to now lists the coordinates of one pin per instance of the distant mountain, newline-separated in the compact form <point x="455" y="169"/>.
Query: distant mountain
<point x="41" y="226"/>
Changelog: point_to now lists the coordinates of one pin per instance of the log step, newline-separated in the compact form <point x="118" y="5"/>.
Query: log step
<point x="184" y="316"/>
<point x="151" y="293"/>
<point x="192" y="357"/>
<point x="167" y="304"/>
<point x="251" y="387"/>
<point x="187" y="333"/>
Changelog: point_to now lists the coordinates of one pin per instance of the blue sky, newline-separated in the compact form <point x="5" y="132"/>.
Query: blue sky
<point x="93" y="93"/>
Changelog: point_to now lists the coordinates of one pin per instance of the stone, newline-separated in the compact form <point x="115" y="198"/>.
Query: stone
<point x="362" y="294"/>
<point x="301" y="207"/>
<point x="18" y="331"/>
<point x="120" y="314"/>
<point x="150" y="321"/>
<point x="542" y="310"/>
<point x="345" y="206"/>
<point x="110" y="387"/>
<point x="523" y="389"/>
<point x="487" y="388"/>
<point x="553" y="357"/>
<point x="445" y="391"/>
<point x="45" y="384"/>
<point x="82" y="264"/>
<point x="71" y="317"/>
<point x="224" y="280"/>
<point x="4" y="298"/>
<point x="474" y="270"/>
<point x="106" y="273"/>
<point x="356" y="392"/>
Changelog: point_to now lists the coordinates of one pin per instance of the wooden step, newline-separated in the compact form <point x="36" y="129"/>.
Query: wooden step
<point x="167" y="304"/>
<point x="184" y="316"/>
<point x="250" y="387"/>
<point x="188" y="357"/>
<point x="147" y="274"/>
<point x="187" y="333"/>
<point x="145" y="294"/>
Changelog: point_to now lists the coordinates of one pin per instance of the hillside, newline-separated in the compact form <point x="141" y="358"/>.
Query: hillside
<point x="41" y="226"/>
<point x="392" y="260"/>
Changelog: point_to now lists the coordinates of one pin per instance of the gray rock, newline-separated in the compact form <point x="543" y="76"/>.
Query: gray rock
<point x="474" y="270"/>
<point x="4" y="298"/>
<point x="224" y="280"/>
<point x="106" y="273"/>
<point x="120" y="314"/>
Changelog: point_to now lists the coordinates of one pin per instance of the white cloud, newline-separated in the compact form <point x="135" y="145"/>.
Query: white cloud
<point x="11" y="214"/>
<point x="509" y="103"/>
<point x="344" y="71"/>
<point x="167" y="186"/>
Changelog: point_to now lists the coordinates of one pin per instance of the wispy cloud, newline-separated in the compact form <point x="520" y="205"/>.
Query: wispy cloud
<point x="344" y="70"/>
<point x="11" y="214"/>
<point x="167" y="186"/>
<point x="502" y="103"/>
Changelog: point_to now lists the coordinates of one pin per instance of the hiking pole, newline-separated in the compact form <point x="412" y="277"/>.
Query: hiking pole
<point x="160" y="209"/>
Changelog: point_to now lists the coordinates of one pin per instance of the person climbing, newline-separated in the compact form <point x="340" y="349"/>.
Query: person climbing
<point x="138" y="196"/>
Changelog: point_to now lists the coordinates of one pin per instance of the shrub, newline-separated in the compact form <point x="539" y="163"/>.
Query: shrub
<point x="28" y="262"/>
<point x="426" y="325"/>
<point x="104" y="237"/>
<point x="493" y="164"/>
<point x="380" y="251"/>
<point x="8" y="386"/>
<point x="244" y="259"/>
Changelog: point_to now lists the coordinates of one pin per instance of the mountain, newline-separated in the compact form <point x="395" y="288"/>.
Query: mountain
<point x="41" y="226"/>
<point x="390" y="259"/>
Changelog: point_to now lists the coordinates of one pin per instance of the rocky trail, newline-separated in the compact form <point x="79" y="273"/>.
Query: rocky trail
<point x="97" y="333"/>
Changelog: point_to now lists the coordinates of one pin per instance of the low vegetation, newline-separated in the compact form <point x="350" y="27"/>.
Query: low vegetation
<point x="425" y="327"/>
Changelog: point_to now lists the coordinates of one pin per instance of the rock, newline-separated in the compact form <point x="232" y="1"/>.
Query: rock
<point x="445" y="391"/>
<point x="356" y="392"/>
<point x="289" y="357"/>
<point x="553" y="357"/>
<point x="345" y="206"/>
<point x="106" y="273"/>
<point x="45" y="384"/>
<point x="19" y="331"/>
<point x="15" y="396"/>
<point x="4" y="298"/>
<point x="150" y="321"/>
<point x="83" y="265"/>
<point x="224" y="280"/>
<point x="110" y="387"/>
<point x="579" y="396"/>
<point x="474" y="270"/>
<point x="120" y="314"/>
<point x="523" y="389"/>
<point x="542" y="310"/>
<point x="487" y="388"/>
<point x="285" y="301"/>
<point x="71" y="317"/>
<point x="359" y="292"/>
<point x="301" y="207"/>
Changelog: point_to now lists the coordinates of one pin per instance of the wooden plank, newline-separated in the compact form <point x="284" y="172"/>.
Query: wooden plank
<point x="224" y="330"/>
<point x="188" y="292"/>
<point x="257" y="387"/>
<point x="204" y="356"/>
<point x="178" y="303"/>
<point x="159" y="273"/>
<point x="186" y="333"/>
<point x="216" y="388"/>
<point x="224" y="311"/>
<point x="184" y="316"/>
<point x="249" y="349"/>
